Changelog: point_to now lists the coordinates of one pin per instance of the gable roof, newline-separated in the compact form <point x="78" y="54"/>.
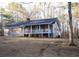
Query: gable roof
<point x="34" y="22"/>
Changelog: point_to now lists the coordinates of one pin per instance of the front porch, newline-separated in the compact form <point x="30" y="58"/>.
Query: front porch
<point x="39" y="30"/>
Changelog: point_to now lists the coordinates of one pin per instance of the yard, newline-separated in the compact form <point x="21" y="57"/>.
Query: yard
<point x="35" y="47"/>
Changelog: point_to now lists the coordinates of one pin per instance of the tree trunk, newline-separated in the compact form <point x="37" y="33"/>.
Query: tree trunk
<point x="1" y="27"/>
<point x="71" y="40"/>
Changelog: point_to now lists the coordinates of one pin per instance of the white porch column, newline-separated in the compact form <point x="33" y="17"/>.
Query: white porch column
<point x="39" y="27"/>
<point x="31" y="31"/>
<point x="39" y="30"/>
<point x="49" y="31"/>
<point x="23" y="30"/>
<point x="52" y="30"/>
<point x="42" y="33"/>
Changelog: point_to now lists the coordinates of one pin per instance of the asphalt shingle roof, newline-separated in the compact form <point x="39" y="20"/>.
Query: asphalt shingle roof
<point x="34" y="22"/>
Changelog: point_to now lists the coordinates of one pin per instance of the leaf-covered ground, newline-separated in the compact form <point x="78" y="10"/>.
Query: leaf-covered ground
<point x="36" y="47"/>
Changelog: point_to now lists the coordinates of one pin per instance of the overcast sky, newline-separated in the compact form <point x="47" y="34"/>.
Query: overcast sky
<point x="4" y="3"/>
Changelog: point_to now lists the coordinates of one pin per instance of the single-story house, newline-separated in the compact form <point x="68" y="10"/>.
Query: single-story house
<point x="36" y="28"/>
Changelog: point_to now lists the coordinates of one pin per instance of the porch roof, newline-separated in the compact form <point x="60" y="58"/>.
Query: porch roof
<point x="34" y="22"/>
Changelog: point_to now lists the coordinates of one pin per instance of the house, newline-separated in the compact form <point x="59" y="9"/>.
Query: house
<point x="37" y="28"/>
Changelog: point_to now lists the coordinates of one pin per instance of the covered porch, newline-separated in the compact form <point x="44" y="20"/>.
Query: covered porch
<point x="45" y="30"/>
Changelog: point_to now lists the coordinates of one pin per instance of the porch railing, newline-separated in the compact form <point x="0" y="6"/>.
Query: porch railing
<point x="37" y="31"/>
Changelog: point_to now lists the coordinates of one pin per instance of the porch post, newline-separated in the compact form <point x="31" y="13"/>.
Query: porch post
<point x="31" y="31"/>
<point x="23" y="30"/>
<point x="42" y="33"/>
<point x="48" y="31"/>
<point x="39" y="30"/>
<point x="52" y="30"/>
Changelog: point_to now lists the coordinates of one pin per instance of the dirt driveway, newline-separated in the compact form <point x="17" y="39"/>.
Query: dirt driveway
<point x="35" y="47"/>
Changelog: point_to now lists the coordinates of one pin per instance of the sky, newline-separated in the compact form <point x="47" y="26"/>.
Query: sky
<point x="4" y="3"/>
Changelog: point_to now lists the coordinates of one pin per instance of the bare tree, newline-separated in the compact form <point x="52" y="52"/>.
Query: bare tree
<point x="71" y="40"/>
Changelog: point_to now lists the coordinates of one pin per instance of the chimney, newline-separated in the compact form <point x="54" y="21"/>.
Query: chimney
<point x="28" y="19"/>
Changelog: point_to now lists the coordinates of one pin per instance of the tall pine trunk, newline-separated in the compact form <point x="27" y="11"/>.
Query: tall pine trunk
<point x="71" y="39"/>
